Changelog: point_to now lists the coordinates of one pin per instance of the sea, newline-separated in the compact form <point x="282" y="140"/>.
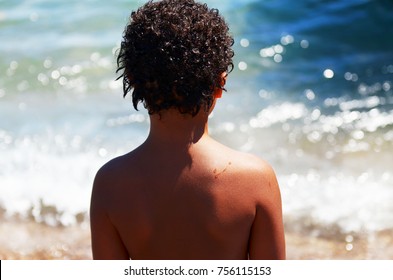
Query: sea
<point x="311" y="92"/>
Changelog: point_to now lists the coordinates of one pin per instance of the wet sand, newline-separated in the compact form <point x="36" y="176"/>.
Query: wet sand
<point x="23" y="240"/>
<point x="34" y="241"/>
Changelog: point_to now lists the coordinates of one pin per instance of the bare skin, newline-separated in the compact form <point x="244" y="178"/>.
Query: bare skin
<point x="183" y="195"/>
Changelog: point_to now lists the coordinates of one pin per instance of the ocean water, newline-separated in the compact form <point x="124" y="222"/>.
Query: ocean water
<point x="311" y="93"/>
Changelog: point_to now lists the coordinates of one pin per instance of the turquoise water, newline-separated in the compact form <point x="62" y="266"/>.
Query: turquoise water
<point x="311" y="93"/>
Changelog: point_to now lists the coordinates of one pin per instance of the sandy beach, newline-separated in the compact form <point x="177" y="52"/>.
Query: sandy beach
<point x="27" y="240"/>
<point x="33" y="241"/>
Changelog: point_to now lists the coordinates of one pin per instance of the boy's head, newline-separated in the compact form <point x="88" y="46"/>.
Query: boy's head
<point x="173" y="55"/>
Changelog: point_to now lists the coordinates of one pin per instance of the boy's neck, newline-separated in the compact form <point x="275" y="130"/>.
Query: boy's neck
<point x="173" y="128"/>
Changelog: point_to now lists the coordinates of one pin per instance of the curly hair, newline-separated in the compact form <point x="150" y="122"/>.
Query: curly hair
<point x="173" y="54"/>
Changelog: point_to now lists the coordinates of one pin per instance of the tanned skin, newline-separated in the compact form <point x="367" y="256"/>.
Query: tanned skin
<point x="182" y="195"/>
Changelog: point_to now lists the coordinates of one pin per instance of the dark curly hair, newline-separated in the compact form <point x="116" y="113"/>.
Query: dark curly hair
<point x="173" y="54"/>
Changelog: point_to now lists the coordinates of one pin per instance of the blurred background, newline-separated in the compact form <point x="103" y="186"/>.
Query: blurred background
<point x="311" y="93"/>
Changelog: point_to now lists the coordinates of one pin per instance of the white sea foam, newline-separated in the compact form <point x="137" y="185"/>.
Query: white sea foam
<point x="47" y="165"/>
<point x="278" y="114"/>
<point x="31" y="176"/>
<point x="353" y="203"/>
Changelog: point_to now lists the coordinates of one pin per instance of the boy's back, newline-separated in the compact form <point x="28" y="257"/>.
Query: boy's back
<point x="204" y="201"/>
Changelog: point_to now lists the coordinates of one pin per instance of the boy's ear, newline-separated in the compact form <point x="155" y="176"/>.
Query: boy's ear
<point x="218" y="91"/>
<point x="224" y="76"/>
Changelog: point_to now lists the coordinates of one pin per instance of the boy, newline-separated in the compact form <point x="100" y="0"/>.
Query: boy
<point x="181" y="194"/>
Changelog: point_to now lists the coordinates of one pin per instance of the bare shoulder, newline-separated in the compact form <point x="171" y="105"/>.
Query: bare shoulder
<point x="252" y="167"/>
<point x="106" y="241"/>
<point x="259" y="173"/>
<point x="258" y="184"/>
<point x="254" y="175"/>
<point x="267" y="240"/>
<point x="109" y="171"/>
<point x="114" y="173"/>
<point x="255" y="166"/>
<point x="104" y="179"/>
